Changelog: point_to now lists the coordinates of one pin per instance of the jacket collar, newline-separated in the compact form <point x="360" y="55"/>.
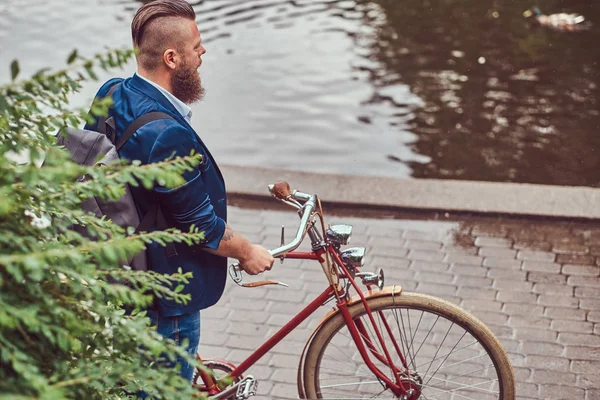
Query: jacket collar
<point x="179" y="105"/>
<point x="149" y="90"/>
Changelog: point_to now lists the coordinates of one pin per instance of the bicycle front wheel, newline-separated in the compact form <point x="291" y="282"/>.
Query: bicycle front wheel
<point x="449" y="353"/>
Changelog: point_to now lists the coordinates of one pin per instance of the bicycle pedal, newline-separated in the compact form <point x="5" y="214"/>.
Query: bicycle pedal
<point x="247" y="388"/>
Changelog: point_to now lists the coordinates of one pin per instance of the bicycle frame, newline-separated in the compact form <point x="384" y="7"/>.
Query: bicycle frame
<point x="357" y="329"/>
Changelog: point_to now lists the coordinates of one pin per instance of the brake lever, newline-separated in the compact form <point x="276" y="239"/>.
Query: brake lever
<point x="235" y="272"/>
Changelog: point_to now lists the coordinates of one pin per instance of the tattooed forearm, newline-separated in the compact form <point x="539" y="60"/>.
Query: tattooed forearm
<point x="228" y="235"/>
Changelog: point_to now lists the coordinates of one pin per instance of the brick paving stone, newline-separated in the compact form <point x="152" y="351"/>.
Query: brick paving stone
<point x="579" y="339"/>
<point x="503" y="273"/>
<point x="565" y="313"/>
<point x="390" y="242"/>
<point x="511" y="284"/>
<point x="558" y="301"/>
<point x="537" y="334"/>
<point x="572" y="326"/>
<point x="548" y="363"/>
<point x="532" y="245"/>
<point x="421" y="265"/>
<point x="381" y="260"/>
<point x="423" y="244"/>
<point x="463" y="259"/>
<point x="583" y="353"/>
<point x="585" y="270"/>
<point x="512" y="296"/>
<point x="594" y="316"/>
<point x="467" y="292"/>
<point x="529" y="321"/>
<point x="483" y="305"/>
<point x="477" y="281"/>
<point x="585" y="366"/>
<point x="588" y="291"/>
<point x="582" y="259"/>
<point x="541" y="266"/>
<point x="437" y="289"/>
<point x="523" y="309"/>
<point x="554" y="377"/>
<point x="485" y="241"/>
<point x="553" y="289"/>
<point x="543" y="277"/>
<point x="502" y="332"/>
<point x="567" y="248"/>
<point x="532" y="255"/>
<point x="549" y="391"/>
<point x="502" y="263"/>
<point x="452" y="249"/>
<point x="425" y="255"/>
<point x="543" y="348"/>
<point x="469" y="270"/>
<point x="589" y="304"/>
<point x="496" y="252"/>
<point x="584" y="281"/>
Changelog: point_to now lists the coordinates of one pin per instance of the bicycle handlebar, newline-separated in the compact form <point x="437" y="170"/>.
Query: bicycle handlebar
<point x="308" y="208"/>
<point x="281" y="191"/>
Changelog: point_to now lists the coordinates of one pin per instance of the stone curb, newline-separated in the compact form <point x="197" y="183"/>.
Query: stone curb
<point x="422" y="195"/>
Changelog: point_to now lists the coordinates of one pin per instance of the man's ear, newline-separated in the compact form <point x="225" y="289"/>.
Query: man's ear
<point x="170" y="58"/>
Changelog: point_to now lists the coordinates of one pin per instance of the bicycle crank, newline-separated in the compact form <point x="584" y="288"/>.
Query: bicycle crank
<point x="242" y="390"/>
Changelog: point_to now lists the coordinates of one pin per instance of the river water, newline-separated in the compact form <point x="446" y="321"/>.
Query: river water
<point x="403" y="88"/>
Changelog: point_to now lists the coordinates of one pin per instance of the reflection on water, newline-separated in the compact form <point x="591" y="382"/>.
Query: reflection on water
<point x="422" y="88"/>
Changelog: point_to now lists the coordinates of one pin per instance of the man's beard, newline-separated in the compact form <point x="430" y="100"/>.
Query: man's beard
<point x="186" y="84"/>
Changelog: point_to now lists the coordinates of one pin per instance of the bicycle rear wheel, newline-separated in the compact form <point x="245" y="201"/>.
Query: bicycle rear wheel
<point x="450" y="354"/>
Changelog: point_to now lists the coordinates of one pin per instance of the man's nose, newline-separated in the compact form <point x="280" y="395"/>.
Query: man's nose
<point x="202" y="50"/>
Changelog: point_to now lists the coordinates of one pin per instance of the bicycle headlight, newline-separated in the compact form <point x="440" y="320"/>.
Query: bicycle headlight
<point x="354" y="257"/>
<point x="339" y="234"/>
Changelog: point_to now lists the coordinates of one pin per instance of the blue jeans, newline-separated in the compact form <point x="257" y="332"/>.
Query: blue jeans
<point x="178" y="328"/>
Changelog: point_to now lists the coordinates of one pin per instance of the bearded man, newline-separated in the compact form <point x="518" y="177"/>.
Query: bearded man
<point x="167" y="81"/>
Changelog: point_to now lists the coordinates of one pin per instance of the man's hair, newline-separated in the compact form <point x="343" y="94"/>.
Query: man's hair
<point x="156" y="26"/>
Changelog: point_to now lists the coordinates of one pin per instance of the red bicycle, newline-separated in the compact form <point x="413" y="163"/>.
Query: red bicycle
<point x="377" y="343"/>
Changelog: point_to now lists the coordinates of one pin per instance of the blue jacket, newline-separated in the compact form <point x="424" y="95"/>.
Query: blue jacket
<point x="200" y="201"/>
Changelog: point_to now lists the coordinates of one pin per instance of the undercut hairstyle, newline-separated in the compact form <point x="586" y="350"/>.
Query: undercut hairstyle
<point x="157" y="26"/>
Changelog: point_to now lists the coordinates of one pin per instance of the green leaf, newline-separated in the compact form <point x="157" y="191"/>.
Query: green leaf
<point x="14" y="69"/>
<point x="72" y="57"/>
<point x="3" y="103"/>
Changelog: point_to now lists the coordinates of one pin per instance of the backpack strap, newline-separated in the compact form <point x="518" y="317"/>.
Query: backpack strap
<point x="154" y="214"/>
<point x="107" y="125"/>
<point x="137" y="124"/>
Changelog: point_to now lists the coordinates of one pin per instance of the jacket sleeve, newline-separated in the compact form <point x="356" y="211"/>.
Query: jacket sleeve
<point x="189" y="203"/>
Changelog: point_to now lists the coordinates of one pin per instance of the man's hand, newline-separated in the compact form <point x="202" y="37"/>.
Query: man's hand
<point x="257" y="260"/>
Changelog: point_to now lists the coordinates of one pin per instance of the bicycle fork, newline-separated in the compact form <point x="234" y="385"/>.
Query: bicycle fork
<point x="360" y="335"/>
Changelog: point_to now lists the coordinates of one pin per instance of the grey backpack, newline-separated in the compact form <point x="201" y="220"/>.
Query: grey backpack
<point x="99" y="148"/>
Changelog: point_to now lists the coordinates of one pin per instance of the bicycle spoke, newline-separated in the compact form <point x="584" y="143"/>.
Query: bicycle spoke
<point x="438" y="350"/>
<point x="474" y="386"/>
<point x="457" y="363"/>
<point x="448" y="355"/>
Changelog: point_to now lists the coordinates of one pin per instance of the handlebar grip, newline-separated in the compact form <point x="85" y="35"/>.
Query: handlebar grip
<point x="281" y="190"/>
<point x="235" y="272"/>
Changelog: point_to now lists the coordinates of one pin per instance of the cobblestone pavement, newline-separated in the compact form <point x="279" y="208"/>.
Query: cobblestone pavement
<point x="536" y="284"/>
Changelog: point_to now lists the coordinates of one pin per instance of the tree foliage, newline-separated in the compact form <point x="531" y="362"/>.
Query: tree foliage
<point x="64" y="333"/>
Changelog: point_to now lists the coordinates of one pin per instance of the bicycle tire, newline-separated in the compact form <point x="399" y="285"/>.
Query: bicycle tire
<point x="331" y="353"/>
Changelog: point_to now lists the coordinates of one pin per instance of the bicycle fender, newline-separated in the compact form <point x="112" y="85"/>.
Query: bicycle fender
<point x="368" y="294"/>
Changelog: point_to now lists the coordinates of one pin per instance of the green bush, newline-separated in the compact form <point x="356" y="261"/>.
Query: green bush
<point x="63" y="331"/>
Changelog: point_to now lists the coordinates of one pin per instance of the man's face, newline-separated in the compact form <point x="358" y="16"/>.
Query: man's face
<point x="185" y="80"/>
